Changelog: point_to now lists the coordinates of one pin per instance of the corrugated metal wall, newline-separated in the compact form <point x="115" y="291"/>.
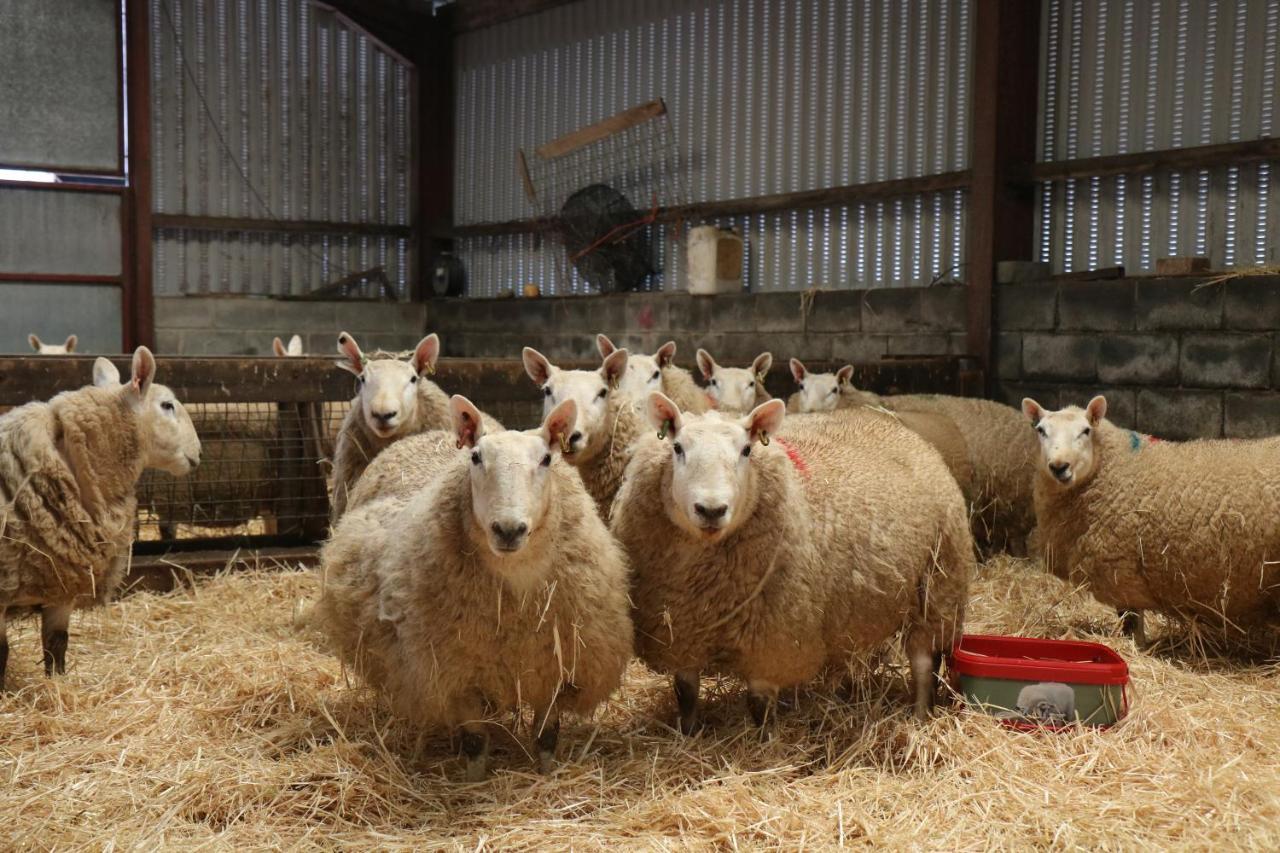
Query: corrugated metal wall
<point x="1121" y="76"/>
<point x="291" y="115"/>
<point x="764" y="97"/>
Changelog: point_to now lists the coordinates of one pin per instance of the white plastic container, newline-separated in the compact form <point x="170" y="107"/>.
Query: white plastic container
<point x="715" y="261"/>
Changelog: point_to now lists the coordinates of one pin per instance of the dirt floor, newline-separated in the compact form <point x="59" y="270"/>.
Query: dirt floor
<point x="206" y="718"/>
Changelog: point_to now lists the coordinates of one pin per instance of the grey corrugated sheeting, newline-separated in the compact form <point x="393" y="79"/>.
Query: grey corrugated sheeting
<point x="53" y="311"/>
<point x="1140" y="75"/>
<point x="60" y="95"/>
<point x="765" y="97"/>
<point x="313" y="111"/>
<point x="52" y="231"/>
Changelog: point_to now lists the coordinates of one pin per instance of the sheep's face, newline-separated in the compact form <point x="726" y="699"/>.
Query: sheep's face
<point x="733" y="389"/>
<point x="510" y="473"/>
<point x="820" y="392"/>
<point x="1068" y="443"/>
<point x="65" y="348"/>
<point x="591" y="391"/>
<point x="172" y="443"/>
<point x="712" y="479"/>
<point x="388" y="388"/>
<point x="644" y="372"/>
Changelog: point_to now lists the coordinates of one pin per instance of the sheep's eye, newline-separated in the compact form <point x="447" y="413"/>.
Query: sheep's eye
<point x="746" y="451"/>
<point x="1086" y="431"/>
<point x="475" y="457"/>
<point x="714" y="383"/>
<point x="801" y="386"/>
<point x="359" y="381"/>
<point x="656" y="374"/>
<point x="604" y="392"/>
<point x="546" y="392"/>
<point x="167" y="405"/>
<point x="678" y="448"/>
<point x="835" y="390"/>
<point x="413" y="380"/>
<point x="546" y="460"/>
<point x="1040" y="430"/>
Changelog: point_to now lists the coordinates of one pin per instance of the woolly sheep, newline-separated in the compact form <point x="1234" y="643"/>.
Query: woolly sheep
<point x="657" y="372"/>
<point x="66" y="348"/>
<point x="1190" y="529"/>
<point x="735" y="389"/>
<point x="823" y="392"/>
<point x="479" y="578"/>
<point x="779" y="562"/>
<point x="394" y="399"/>
<point x="68" y="470"/>
<point x="608" y="422"/>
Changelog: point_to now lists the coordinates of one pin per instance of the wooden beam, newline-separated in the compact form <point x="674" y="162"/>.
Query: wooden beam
<point x="434" y="136"/>
<point x="603" y="129"/>
<point x="1167" y="160"/>
<point x="804" y="200"/>
<point x="283" y="226"/>
<point x="179" y="569"/>
<point x="60" y="278"/>
<point x="1005" y="98"/>
<point x="477" y="14"/>
<point x="138" y="297"/>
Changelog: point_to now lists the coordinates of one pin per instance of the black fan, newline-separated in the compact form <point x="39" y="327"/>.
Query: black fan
<point x="605" y="239"/>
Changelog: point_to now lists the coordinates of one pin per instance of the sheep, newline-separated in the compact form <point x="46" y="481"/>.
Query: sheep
<point x="735" y="389"/>
<point x="321" y="417"/>
<point x="1189" y="529"/>
<point x="293" y="350"/>
<point x="68" y="471"/>
<point x="658" y="372"/>
<point x="394" y="399"/>
<point x="479" y="578"/>
<point x="66" y="348"/>
<point x="608" y="422"/>
<point x="775" y="563"/>
<point x="824" y="392"/>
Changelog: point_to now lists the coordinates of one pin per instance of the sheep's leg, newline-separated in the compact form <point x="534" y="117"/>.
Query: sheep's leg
<point x="923" y="678"/>
<point x="1133" y="625"/>
<point x="762" y="702"/>
<point x="546" y="736"/>
<point x="686" y="685"/>
<point x="54" y="621"/>
<point x="475" y="748"/>
<point x="4" y="645"/>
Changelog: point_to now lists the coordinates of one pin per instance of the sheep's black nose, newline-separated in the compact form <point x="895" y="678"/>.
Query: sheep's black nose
<point x="1058" y="468"/>
<point x="711" y="513"/>
<point x="509" y="532"/>
<point x="385" y="417"/>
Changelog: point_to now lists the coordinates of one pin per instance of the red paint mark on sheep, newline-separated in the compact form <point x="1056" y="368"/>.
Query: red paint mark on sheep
<point x="794" y="455"/>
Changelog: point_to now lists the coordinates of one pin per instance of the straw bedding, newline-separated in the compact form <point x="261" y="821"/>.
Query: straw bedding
<point x="208" y="718"/>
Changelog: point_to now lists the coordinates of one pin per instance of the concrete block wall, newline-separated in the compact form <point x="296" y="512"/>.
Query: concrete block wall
<point x="218" y="325"/>
<point x="853" y="325"/>
<point x="1176" y="357"/>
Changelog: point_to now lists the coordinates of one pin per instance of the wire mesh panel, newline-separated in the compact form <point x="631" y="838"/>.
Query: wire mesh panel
<point x="764" y="98"/>
<point x="1125" y="76"/>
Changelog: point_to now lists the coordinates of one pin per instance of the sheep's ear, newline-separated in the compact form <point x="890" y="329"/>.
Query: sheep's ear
<point x="614" y="367"/>
<point x="765" y="420"/>
<point x="277" y="346"/>
<point x="666" y="354"/>
<point x="605" y="346"/>
<point x="425" y="355"/>
<point x="706" y="364"/>
<point x="559" y="424"/>
<point x="295" y="345"/>
<point x="353" y="360"/>
<point x="663" y="414"/>
<point x="1033" y="410"/>
<point x="797" y="370"/>
<point x="537" y="366"/>
<point x="760" y="366"/>
<point x="105" y="374"/>
<point x="844" y="376"/>
<point x="144" y="371"/>
<point x="467" y="426"/>
<point x="34" y="340"/>
<point x="72" y="340"/>
<point x="1096" y="410"/>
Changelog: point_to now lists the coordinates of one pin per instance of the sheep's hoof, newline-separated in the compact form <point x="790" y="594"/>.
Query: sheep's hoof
<point x="4" y="662"/>
<point x="546" y="762"/>
<point x="475" y="746"/>
<point x="689" y="726"/>
<point x="762" y="709"/>
<point x="55" y="653"/>
<point x="547" y="740"/>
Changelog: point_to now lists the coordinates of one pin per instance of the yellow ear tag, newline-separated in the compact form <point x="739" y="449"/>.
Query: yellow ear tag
<point x="760" y="378"/>
<point x="764" y="439"/>
<point x="666" y="426"/>
<point x="431" y="369"/>
<point x="564" y="442"/>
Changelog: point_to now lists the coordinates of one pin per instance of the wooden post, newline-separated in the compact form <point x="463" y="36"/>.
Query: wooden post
<point x="138" y="293"/>
<point x="434" y="124"/>
<point x="1006" y="49"/>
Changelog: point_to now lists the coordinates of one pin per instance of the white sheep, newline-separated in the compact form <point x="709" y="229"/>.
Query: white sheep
<point x="658" y="372"/>
<point x="1190" y="529"/>
<point x="394" y="399"/>
<point x="68" y="471"/>
<point x="608" y="422"/>
<point x="735" y="389"/>
<point x="777" y="562"/>
<point x="477" y="577"/>
<point x="293" y="350"/>
<point x="66" y="348"/>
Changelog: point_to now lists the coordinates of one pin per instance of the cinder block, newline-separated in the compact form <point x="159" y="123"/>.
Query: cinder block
<point x="1013" y="393"/>
<point x="732" y="312"/>
<point x="1122" y="403"/>
<point x="918" y="344"/>
<point x="1253" y="302"/>
<point x="835" y="311"/>
<point x="943" y="307"/>
<point x="1026" y="307"/>
<point x="775" y="312"/>
<point x="859" y="348"/>
<point x="1138" y="359"/>
<point x="1060" y="356"/>
<point x="184" y="312"/>
<point x="891" y="309"/>
<point x="1013" y="272"/>
<point x="1224" y="360"/>
<point x="1251" y="414"/>
<point x="1105" y="306"/>
<point x="240" y="313"/>
<point x="1182" y="265"/>
<point x="1009" y="356"/>
<point x="1178" y="304"/>
<point x="169" y="342"/>
<point x="218" y="342"/>
<point x="1180" y="414"/>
